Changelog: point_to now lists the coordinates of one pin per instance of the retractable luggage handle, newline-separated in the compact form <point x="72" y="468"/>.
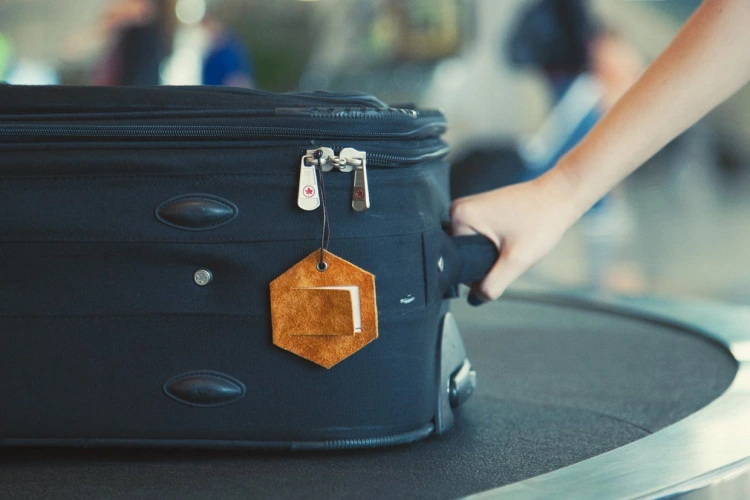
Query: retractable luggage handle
<point x="464" y="259"/>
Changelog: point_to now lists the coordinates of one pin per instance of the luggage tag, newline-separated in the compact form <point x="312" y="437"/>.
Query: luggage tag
<point x="323" y="308"/>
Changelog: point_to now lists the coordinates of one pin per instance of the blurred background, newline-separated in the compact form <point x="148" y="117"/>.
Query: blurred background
<point x="520" y="81"/>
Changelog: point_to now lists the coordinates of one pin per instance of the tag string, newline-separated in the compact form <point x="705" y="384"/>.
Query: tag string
<point x="325" y="237"/>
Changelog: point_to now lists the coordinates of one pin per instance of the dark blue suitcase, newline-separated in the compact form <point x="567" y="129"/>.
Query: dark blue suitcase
<point x="141" y="229"/>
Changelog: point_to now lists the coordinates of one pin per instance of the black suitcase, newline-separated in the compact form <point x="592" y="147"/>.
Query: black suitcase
<point x="141" y="230"/>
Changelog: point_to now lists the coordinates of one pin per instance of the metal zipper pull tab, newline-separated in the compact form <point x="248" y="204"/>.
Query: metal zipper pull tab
<point x="308" y="195"/>
<point x="360" y="190"/>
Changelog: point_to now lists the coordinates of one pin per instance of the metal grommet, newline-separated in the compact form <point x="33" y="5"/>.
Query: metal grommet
<point x="321" y="266"/>
<point x="441" y="264"/>
<point x="202" y="277"/>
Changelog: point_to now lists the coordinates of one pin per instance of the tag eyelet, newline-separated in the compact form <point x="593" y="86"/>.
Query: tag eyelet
<point x="321" y="266"/>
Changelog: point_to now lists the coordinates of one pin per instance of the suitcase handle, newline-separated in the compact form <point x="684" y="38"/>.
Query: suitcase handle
<point x="477" y="256"/>
<point x="465" y="259"/>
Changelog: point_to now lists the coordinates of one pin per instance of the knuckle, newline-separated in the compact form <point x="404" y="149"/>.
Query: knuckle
<point x="460" y="211"/>
<point x="486" y="289"/>
<point x="463" y="218"/>
<point x="489" y="289"/>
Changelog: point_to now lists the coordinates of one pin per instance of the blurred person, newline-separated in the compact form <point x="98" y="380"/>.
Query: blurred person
<point x="707" y="62"/>
<point x="586" y="69"/>
<point x="226" y="61"/>
<point x="205" y="51"/>
<point x="554" y="36"/>
<point x="555" y="39"/>
<point x="140" y="36"/>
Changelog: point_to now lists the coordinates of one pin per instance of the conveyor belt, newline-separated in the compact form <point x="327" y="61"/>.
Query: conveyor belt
<point x="557" y="384"/>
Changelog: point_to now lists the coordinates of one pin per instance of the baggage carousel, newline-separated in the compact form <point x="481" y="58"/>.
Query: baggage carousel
<point x="607" y="398"/>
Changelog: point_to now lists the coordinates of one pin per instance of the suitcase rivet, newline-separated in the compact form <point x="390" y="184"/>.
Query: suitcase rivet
<point x="441" y="264"/>
<point x="202" y="277"/>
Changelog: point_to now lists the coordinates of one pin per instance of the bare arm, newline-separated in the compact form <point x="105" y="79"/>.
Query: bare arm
<point x="708" y="61"/>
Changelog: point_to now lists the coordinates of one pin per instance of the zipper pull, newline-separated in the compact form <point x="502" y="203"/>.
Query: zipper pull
<point x="360" y="190"/>
<point x="308" y="196"/>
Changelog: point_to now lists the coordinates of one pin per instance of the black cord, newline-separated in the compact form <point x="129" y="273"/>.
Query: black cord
<point x="325" y="237"/>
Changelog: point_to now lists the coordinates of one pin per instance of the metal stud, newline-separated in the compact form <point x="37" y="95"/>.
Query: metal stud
<point x="441" y="264"/>
<point x="202" y="277"/>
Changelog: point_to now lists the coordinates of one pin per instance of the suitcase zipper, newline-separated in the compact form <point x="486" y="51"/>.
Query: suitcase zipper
<point x="348" y="160"/>
<point x="226" y="132"/>
<point x="185" y="131"/>
<point x="348" y="112"/>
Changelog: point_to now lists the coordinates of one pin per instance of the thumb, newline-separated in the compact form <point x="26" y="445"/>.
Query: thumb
<point x="462" y="211"/>
<point x="459" y="228"/>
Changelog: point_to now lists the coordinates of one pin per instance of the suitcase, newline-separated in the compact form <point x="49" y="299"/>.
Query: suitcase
<point x="142" y="229"/>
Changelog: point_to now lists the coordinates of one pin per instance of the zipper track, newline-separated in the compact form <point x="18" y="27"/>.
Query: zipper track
<point x="184" y="131"/>
<point x="348" y="113"/>
<point x="226" y="132"/>
<point x="382" y="159"/>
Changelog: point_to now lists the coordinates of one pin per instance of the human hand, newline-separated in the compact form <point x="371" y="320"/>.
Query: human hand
<point x="525" y="221"/>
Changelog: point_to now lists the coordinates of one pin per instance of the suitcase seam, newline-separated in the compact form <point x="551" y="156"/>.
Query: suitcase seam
<point x="392" y="314"/>
<point x="271" y="239"/>
<point x="415" y="172"/>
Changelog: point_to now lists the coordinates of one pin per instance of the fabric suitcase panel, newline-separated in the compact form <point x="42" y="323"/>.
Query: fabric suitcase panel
<point x="101" y="377"/>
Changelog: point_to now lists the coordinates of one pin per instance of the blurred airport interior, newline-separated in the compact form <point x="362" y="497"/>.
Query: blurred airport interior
<point x="503" y="73"/>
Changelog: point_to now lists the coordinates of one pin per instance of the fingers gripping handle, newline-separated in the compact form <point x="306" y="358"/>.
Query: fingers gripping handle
<point x="477" y="255"/>
<point x="466" y="259"/>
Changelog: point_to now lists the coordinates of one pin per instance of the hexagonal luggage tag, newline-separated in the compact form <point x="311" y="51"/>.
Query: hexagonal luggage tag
<point x="324" y="313"/>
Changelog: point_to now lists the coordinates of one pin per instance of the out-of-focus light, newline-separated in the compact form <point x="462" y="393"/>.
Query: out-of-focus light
<point x="190" y="11"/>
<point x="182" y="68"/>
<point x="31" y="73"/>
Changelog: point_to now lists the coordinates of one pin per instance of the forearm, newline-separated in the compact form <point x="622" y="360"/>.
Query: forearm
<point x="707" y="62"/>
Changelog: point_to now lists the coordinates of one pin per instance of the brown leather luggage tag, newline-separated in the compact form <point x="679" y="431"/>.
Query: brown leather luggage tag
<point x="323" y="309"/>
